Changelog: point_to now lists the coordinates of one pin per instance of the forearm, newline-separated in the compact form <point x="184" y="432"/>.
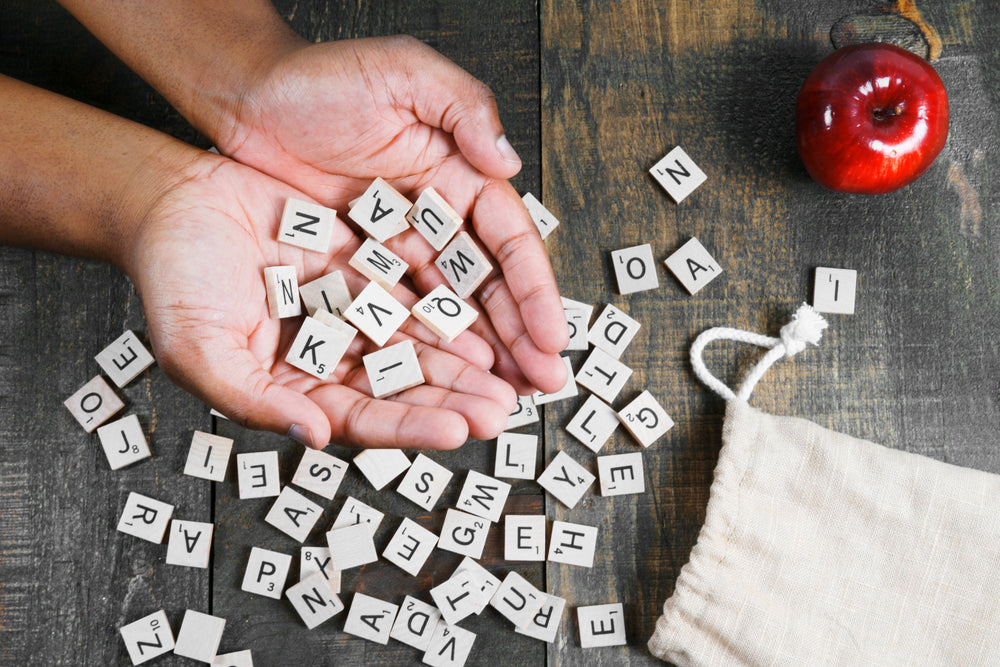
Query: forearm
<point x="77" y="180"/>
<point x="200" y="54"/>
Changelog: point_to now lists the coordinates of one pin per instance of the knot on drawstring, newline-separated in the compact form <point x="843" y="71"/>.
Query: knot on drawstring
<point x="806" y="327"/>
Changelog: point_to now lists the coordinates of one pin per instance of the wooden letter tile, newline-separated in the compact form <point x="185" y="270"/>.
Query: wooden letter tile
<point x="199" y="636"/>
<point x="124" y="359"/>
<point x="834" y="290"/>
<point x="381" y="466"/>
<point x="123" y="442"/>
<point x="450" y="646"/>
<point x="314" y="601"/>
<point x="578" y="321"/>
<point x="258" y="474"/>
<point x="525" y="413"/>
<point x="293" y="514"/>
<point x="393" y="369"/>
<point x="235" y="659"/>
<point x="544" y="624"/>
<point x="488" y="584"/>
<point x="370" y="618"/>
<point x="678" y="174"/>
<point x="541" y="216"/>
<point x="464" y="534"/>
<point x="93" y="404"/>
<point x="376" y="314"/>
<point x="356" y="512"/>
<point x="190" y="543"/>
<point x="266" y="572"/>
<point x="612" y="331"/>
<point x="569" y="389"/>
<point x="572" y="544"/>
<point x="376" y="262"/>
<point x="594" y="423"/>
<point x="457" y="597"/>
<point x="444" y="313"/>
<point x="145" y="518"/>
<point x="635" y="269"/>
<point x="621" y="474"/>
<point x="415" y="623"/>
<point x="645" y="419"/>
<point x="317" y="560"/>
<point x="307" y="225"/>
<point x="566" y="479"/>
<point x="516" y="454"/>
<point x="424" y="482"/>
<point x="329" y="293"/>
<point x="434" y="218"/>
<point x="410" y="546"/>
<point x="351" y="546"/>
<point x="693" y="266"/>
<point x="320" y="473"/>
<point x="320" y="345"/>
<point x="148" y="638"/>
<point x="380" y="211"/>
<point x="208" y="457"/>
<point x="463" y="265"/>
<point x="601" y="625"/>
<point x="603" y="375"/>
<point x="282" y="286"/>
<point x="524" y="537"/>
<point x="517" y="600"/>
<point x="483" y="496"/>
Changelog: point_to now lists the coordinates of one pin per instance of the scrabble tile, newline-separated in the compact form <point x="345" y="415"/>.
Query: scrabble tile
<point x="524" y="537"/>
<point x="834" y="290"/>
<point x="356" y="512"/>
<point x="603" y="375"/>
<point x="318" y="347"/>
<point x="621" y="474"/>
<point x="315" y="560"/>
<point x="208" y="457"/>
<point x="693" y="266"/>
<point x="487" y="582"/>
<point x="424" y="482"/>
<point x="393" y="369"/>
<point x="351" y="546"/>
<point x="145" y="518"/>
<point x="571" y="304"/>
<point x="123" y="442"/>
<point x="612" y="331"/>
<point x="93" y="404"/>
<point x="678" y="174"/>
<point x="525" y="413"/>
<point x="319" y="472"/>
<point x="566" y="479"/>
<point x="593" y="423"/>
<point x="601" y="625"/>
<point x="568" y="390"/>
<point x="307" y="225"/>
<point x="124" y="359"/>
<point x="376" y="314"/>
<point x="314" y="601"/>
<point x="190" y="543"/>
<point x="517" y="600"/>
<point x="415" y="623"/>
<point x="266" y="572"/>
<point x="578" y="322"/>
<point x="235" y="659"/>
<point x="329" y="293"/>
<point x="483" y="496"/>
<point x="635" y="269"/>
<point x="444" y="313"/>
<point x="463" y="533"/>
<point x="148" y="638"/>
<point x="293" y="514"/>
<point x="199" y="636"/>
<point x="434" y="218"/>
<point x="541" y="216"/>
<point x="572" y="544"/>
<point x="457" y="597"/>
<point x="410" y="546"/>
<point x="282" y="285"/>
<point x="450" y="646"/>
<point x="645" y="419"/>
<point x="376" y="262"/>
<point x="516" y="454"/>
<point x="257" y="473"/>
<point x="380" y="210"/>
<point x="463" y="264"/>
<point x="544" y="624"/>
<point x="370" y="618"/>
<point x="381" y="466"/>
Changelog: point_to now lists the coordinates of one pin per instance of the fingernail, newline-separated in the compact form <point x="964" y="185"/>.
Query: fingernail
<point x="301" y="435"/>
<point x="507" y="151"/>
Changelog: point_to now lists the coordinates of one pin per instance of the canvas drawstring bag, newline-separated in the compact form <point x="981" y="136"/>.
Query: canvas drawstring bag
<point x="822" y="549"/>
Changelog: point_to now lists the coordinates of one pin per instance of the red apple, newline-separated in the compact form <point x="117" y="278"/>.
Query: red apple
<point x="870" y="119"/>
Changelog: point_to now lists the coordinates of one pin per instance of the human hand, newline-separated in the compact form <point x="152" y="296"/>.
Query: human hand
<point x="197" y="260"/>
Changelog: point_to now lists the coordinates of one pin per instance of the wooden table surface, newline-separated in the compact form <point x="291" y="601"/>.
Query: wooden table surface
<point x="591" y="94"/>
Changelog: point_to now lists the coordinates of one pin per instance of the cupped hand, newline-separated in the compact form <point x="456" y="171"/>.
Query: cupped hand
<point x="198" y="262"/>
<point x="329" y="118"/>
